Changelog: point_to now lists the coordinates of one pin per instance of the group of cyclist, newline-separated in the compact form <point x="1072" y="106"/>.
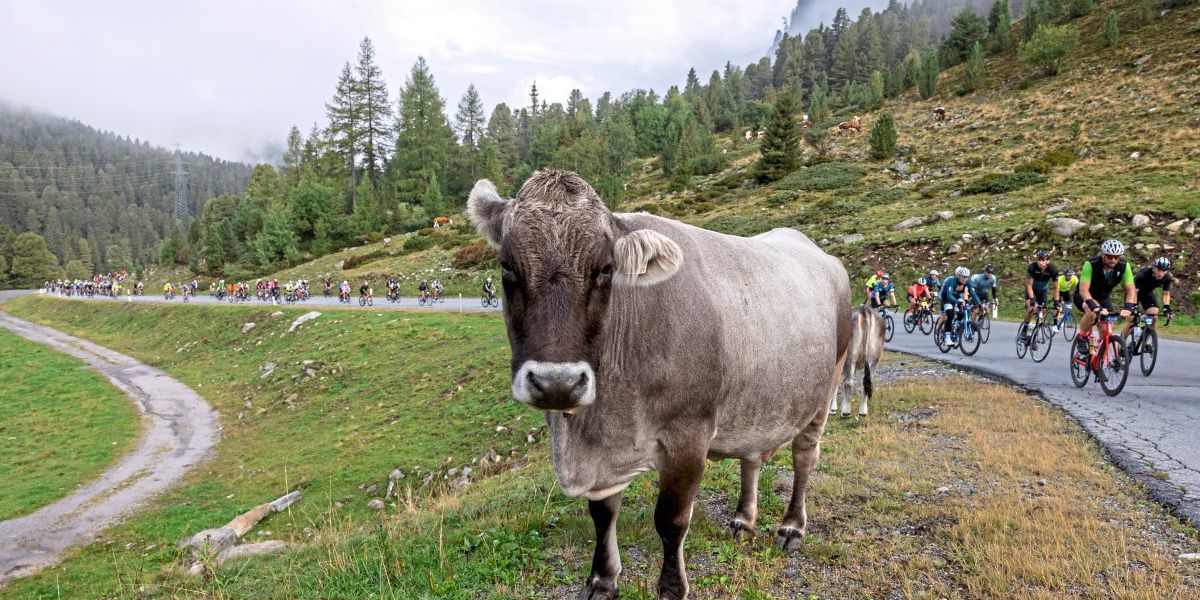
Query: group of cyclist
<point x="1090" y="290"/>
<point x="109" y="284"/>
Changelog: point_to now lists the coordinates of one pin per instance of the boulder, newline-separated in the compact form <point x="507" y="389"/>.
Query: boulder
<point x="908" y="223"/>
<point x="1135" y="155"/>
<point x="1064" y="226"/>
<point x="900" y="167"/>
<point x="244" y="550"/>
<point x="852" y="238"/>
<point x="247" y="327"/>
<point x="215" y="540"/>
<point x="1191" y="228"/>
<point x="302" y="319"/>
<point x="954" y="249"/>
<point x="1139" y="220"/>
<point x="942" y="215"/>
<point x="376" y="504"/>
<point x="1096" y="227"/>
<point x="339" y="264"/>
<point x="1141" y="60"/>
<point x="1177" y="225"/>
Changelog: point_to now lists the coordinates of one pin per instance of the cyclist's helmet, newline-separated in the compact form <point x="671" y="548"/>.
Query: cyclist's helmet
<point x="1042" y="254"/>
<point x="885" y="277"/>
<point x="988" y="268"/>
<point x="962" y="272"/>
<point x="923" y="281"/>
<point x="1070" y="272"/>
<point x="934" y="272"/>
<point x="1112" y="248"/>
<point x="1163" y="263"/>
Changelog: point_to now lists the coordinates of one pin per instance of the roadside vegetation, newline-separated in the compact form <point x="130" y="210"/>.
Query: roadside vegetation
<point x="61" y="424"/>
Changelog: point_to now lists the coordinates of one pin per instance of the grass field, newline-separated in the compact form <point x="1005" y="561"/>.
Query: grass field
<point x="1031" y="510"/>
<point x="61" y="424"/>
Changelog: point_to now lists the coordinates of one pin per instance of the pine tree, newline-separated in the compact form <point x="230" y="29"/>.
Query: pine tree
<point x="423" y="137"/>
<point x="973" y="74"/>
<point x="468" y="124"/>
<point x="845" y="59"/>
<point x="1035" y="18"/>
<point x="1111" y="33"/>
<point x="967" y="28"/>
<point x="780" y="151"/>
<point x="276" y="244"/>
<point x="928" y="81"/>
<point x="818" y="105"/>
<point x="345" y="123"/>
<point x="293" y="156"/>
<point x="32" y="261"/>
<point x="870" y="47"/>
<point x="1000" y="42"/>
<point x="1080" y="8"/>
<point x="875" y="85"/>
<point x="996" y="14"/>
<point x="1048" y="47"/>
<point x="1145" y="12"/>
<point x="375" y="110"/>
<point x="502" y="131"/>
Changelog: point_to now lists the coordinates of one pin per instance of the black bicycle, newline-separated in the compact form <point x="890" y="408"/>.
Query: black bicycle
<point x="1142" y="341"/>
<point x="963" y="331"/>
<point x="1035" y="337"/>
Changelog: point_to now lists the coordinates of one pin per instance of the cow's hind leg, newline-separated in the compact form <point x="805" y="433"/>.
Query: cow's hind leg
<point x="805" y="451"/>
<point x="847" y="392"/>
<point x="680" y="471"/>
<point x="742" y="525"/>
<point x="606" y="564"/>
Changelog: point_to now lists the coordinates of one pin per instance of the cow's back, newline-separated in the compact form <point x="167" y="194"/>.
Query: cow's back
<point x="775" y="311"/>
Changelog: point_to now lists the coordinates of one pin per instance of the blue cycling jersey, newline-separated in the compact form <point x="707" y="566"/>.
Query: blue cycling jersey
<point x="953" y="291"/>
<point x="982" y="287"/>
<point x="882" y="289"/>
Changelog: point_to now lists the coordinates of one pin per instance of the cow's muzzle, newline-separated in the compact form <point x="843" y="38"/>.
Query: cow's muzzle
<point x="555" y="386"/>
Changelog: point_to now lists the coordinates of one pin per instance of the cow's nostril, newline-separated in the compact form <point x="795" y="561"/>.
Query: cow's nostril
<point x="583" y="380"/>
<point x="533" y="382"/>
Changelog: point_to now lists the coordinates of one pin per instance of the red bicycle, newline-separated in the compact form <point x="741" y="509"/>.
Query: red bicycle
<point x="1108" y="360"/>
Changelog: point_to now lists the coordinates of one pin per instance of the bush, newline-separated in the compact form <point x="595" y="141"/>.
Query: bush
<point x="883" y="137"/>
<point x="465" y="228"/>
<point x="1060" y="158"/>
<point x="885" y="196"/>
<point x="783" y="197"/>
<point x="1048" y="47"/>
<point x="825" y="176"/>
<point x="999" y="183"/>
<point x="474" y="255"/>
<point x="373" y="237"/>
<point x="416" y="243"/>
<point x="1034" y="166"/>
<point x="359" y="260"/>
<point x="1080" y="8"/>
<point x="1111" y="31"/>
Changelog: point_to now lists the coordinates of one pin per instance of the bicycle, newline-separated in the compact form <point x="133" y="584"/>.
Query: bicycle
<point x="489" y="300"/>
<point x="1066" y="322"/>
<point x="962" y="331"/>
<point x="344" y="297"/>
<point x="1143" y="341"/>
<point x="985" y="321"/>
<point x="365" y="300"/>
<point x="1036" y="338"/>
<point x="915" y="317"/>
<point x="424" y="298"/>
<point x="889" y="324"/>
<point x="1109" y="361"/>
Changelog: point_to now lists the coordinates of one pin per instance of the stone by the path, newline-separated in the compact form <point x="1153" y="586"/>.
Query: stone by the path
<point x="267" y="547"/>
<point x="302" y="319"/>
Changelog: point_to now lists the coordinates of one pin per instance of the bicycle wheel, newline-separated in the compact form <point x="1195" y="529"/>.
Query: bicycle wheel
<point x="1068" y="326"/>
<point x="1040" y="342"/>
<point x="1079" y="367"/>
<point x="910" y="321"/>
<point x="484" y="300"/>
<point x="1022" y="344"/>
<point x="362" y="301"/>
<point x="1115" y="366"/>
<point x="1149" y="356"/>
<point x="926" y="322"/>
<point x="985" y="327"/>
<point x="939" y="337"/>
<point x="969" y="341"/>
<point x="889" y="327"/>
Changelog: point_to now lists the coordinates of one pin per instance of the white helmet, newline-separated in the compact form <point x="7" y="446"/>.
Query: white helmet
<point x="962" y="272"/>
<point x="1112" y="248"/>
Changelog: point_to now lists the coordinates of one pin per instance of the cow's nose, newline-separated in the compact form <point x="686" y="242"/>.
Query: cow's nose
<point x="555" y="386"/>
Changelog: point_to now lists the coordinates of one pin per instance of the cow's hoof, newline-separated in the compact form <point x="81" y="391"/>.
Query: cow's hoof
<point x="598" y="589"/>
<point x="740" y="531"/>
<point x="674" y="588"/>
<point x="845" y="415"/>
<point x="862" y="414"/>
<point x="789" y="539"/>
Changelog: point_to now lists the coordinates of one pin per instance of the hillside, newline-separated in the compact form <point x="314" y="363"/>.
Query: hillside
<point x="69" y="182"/>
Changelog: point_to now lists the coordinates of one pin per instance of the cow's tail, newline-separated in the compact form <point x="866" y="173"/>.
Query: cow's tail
<point x="867" y="386"/>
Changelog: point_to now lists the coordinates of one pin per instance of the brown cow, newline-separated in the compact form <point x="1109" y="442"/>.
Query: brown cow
<point x="440" y="221"/>
<point x="939" y="113"/>
<point x="851" y="125"/>
<point x="866" y="348"/>
<point x="652" y="344"/>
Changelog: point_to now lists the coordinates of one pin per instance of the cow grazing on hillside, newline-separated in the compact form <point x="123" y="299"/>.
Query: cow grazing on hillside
<point x="440" y="221"/>
<point x="652" y="344"/>
<point x="939" y="113"/>
<point x="805" y="122"/>
<point x="866" y="348"/>
<point x="851" y="125"/>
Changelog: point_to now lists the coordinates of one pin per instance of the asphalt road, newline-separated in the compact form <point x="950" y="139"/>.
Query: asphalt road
<point x="1151" y="429"/>
<point x="452" y="302"/>
<point x="179" y="430"/>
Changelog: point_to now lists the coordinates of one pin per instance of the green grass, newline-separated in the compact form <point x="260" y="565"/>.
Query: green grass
<point x="61" y="424"/>
<point x="418" y="391"/>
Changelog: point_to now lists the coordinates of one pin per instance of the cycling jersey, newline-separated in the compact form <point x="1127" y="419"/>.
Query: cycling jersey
<point x="981" y="284"/>
<point x="953" y="291"/>
<point x="1146" y="281"/>
<point x="882" y="289"/>
<point x="871" y="281"/>
<point x="1042" y="277"/>
<point x="1103" y="283"/>
<point x="1066" y="286"/>
<point x="917" y="290"/>
<point x="363" y="290"/>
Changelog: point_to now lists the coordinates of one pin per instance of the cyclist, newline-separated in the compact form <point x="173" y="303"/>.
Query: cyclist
<point x="423" y="289"/>
<point x="984" y="284"/>
<point x="1067" y="284"/>
<point x="955" y="294"/>
<point x="328" y="286"/>
<point x="934" y="282"/>
<point x="437" y="289"/>
<point x="168" y="290"/>
<point x="871" y="281"/>
<point x="1146" y="281"/>
<point x="883" y="294"/>
<point x="1037" y="282"/>
<point x="917" y="292"/>
<point x="364" y="290"/>
<point x="1101" y="275"/>
<point x="344" y="291"/>
<point x="489" y="288"/>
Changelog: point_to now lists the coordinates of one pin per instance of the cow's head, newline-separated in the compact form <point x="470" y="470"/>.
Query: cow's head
<point x="561" y="253"/>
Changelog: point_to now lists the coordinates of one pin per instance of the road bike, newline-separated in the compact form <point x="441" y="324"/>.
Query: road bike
<point x="985" y="321"/>
<point x="424" y="298"/>
<point x="1142" y="341"/>
<point x="889" y="324"/>
<point x="1108" y="361"/>
<point x="489" y="300"/>
<point x="365" y="300"/>
<point x="1035" y="337"/>
<point x="963" y="332"/>
<point x="1066" y="322"/>
<point x="920" y="316"/>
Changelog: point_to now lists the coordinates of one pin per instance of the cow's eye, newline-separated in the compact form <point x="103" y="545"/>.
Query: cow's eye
<point x="506" y="270"/>
<point x="603" y="275"/>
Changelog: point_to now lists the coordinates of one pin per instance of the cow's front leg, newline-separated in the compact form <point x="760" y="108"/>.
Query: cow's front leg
<point x="606" y="564"/>
<point x="742" y="526"/>
<point x="805" y="451"/>
<point x="679" y="479"/>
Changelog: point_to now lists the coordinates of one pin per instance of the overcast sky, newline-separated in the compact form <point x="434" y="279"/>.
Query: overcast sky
<point x="230" y="78"/>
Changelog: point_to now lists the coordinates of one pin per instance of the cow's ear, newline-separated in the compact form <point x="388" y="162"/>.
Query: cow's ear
<point x="645" y="257"/>
<point x="486" y="210"/>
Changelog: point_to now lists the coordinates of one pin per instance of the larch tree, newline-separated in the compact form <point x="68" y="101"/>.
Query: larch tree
<point x="423" y="138"/>
<point x="375" y="111"/>
<point x="780" y="151"/>
<point x="469" y="126"/>
<point x="344" y="126"/>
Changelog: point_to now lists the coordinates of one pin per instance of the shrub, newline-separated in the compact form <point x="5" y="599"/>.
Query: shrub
<point x="1111" y="31"/>
<point x="465" y="228"/>
<point x="1060" y="158"/>
<point x="783" y="197"/>
<point x="999" y="183"/>
<point x="359" y="260"/>
<point x="416" y="243"/>
<point x="1080" y="8"/>
<point x="1034" y="166"/>
<point x="885" y="196"/>
<point x="373" y="237"/>
<point x="1048" y="47"/>
<point x="825" y="176"/>
<point x="883" y="136"/>
<point x="474" y="255"/>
